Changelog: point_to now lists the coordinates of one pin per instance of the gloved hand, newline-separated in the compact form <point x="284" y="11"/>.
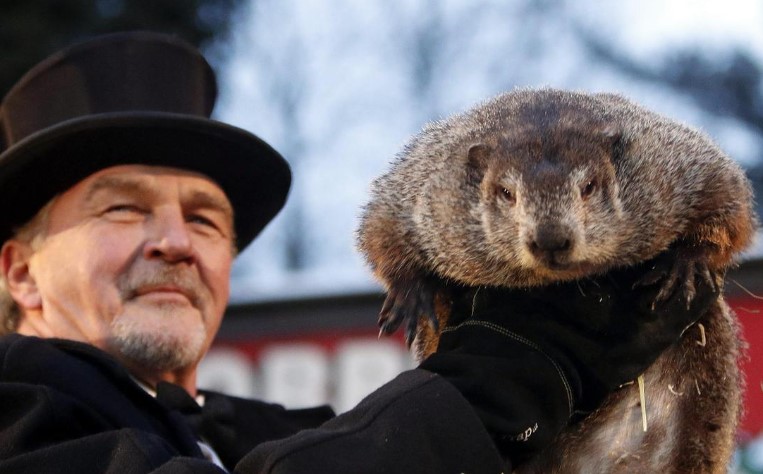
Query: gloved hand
<point x="530" y="360"/>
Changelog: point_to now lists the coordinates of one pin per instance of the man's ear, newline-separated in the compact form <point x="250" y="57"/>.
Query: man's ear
<point x="14" y="263"/>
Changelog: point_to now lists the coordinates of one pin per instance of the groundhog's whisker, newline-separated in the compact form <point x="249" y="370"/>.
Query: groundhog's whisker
<point x="749" y="293"/>
<point x="642" y="397"/>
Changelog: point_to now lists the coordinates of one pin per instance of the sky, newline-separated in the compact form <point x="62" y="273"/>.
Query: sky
<point x="648" y="27"/>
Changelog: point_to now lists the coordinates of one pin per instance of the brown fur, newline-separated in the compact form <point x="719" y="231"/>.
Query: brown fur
<point x="469" y="199"/>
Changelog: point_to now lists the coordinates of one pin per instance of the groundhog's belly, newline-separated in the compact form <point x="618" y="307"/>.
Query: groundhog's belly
<point x="692" y="395"/>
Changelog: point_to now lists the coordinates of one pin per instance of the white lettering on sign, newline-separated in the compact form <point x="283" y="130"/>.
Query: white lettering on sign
<point x="302" y="375"/>
<point x="227" y="371"/>
<point x="295" y="376"/>
<point x="363" y="366"/>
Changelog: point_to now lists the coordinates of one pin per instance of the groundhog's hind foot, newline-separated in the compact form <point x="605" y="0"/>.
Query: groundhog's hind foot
<point x="678" y="273"/>
<point x="408" y="301"/>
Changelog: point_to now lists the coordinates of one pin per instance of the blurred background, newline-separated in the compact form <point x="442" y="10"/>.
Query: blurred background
<point x="338" y="86"/>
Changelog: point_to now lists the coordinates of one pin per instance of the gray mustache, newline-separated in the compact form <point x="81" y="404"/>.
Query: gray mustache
<point x="134" y="280"/>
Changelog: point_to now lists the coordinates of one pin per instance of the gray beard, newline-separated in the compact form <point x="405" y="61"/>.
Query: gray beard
<point x="160" y="352"/>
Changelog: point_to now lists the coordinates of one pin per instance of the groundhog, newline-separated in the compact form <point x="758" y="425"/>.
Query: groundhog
<point x="540" y="186"/>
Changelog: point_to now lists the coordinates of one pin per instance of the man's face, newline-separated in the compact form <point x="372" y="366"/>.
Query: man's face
<point x="137" y="261"/>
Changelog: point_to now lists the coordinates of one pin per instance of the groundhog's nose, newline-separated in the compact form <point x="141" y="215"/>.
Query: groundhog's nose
<point x="551" y="244"/>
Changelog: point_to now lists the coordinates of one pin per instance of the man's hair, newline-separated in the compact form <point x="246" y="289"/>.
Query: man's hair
<point x="32" y="233"/>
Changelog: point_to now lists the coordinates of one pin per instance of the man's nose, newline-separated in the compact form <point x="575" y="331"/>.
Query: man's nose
<point x="169" y="238"/>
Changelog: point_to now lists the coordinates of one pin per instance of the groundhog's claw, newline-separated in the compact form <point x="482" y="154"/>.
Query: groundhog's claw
<point x="678" y="274"/>
<point x="407" y="300"/>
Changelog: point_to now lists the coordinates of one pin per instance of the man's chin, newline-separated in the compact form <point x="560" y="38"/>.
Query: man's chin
<point x="157" y="349"/>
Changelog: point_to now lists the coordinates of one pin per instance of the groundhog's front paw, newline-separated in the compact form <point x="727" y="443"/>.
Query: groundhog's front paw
<point x="408" y="300"/>
<point x="678" y="272"/>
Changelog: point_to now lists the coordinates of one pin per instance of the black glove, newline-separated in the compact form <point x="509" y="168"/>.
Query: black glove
<point x="531" y="360"/>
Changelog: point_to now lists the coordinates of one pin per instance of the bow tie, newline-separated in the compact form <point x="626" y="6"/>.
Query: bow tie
<point x="234" y="426"/>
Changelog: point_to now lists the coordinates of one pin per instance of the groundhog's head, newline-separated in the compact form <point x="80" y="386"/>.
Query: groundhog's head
<point x="549" y="202"/>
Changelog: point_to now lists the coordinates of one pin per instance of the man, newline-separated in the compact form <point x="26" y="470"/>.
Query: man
<point x="123" y="207"/>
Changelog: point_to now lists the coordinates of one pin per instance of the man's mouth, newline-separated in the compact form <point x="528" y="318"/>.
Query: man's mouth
<point x="165" y="292"/>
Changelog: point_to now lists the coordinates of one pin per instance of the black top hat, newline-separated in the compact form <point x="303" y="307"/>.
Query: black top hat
<point x="128" y="98"/>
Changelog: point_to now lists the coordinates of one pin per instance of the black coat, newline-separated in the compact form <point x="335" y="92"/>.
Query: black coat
<point x="68" y="407"/>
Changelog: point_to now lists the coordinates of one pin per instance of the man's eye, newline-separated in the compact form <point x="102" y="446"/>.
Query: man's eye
<point x="123" y="208"/>
<point x="198" y="219"/>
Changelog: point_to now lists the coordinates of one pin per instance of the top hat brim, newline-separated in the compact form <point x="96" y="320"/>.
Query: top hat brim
<point x="253" y="175"/>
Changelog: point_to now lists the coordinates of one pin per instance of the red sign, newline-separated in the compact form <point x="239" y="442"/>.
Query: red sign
<point x="750" y="312"/>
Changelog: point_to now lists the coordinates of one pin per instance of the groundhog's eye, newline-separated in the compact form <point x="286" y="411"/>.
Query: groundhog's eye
<point x="588" y="189"/>
<point x="507" y="194"/>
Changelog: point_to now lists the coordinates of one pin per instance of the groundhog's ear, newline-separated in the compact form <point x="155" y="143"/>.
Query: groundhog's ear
<point x="478" y="157"/>
<point x="613" y="140"/>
